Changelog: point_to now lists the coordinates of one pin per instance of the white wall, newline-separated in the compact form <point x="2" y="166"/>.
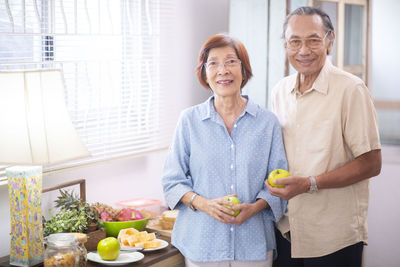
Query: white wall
<point x="384" y="216"/>
<point x="248" y="24"/>
<point x="385" y="63"/>
<point x="385" y="58"/>
<point x="127" y="178"/>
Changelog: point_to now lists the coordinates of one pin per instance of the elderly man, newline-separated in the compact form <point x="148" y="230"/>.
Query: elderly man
<point x="332" y="143"/>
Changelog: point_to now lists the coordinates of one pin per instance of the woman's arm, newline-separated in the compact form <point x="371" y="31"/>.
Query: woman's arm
<point x="176" y="177"/>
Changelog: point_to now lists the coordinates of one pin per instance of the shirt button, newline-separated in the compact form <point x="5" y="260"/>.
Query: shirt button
<point x="231" y="229"/>
<point x="231" y="166"/>
<point x="232" y="187"/>
<point x="235" y="125"/>
<point x="232" y="146"/>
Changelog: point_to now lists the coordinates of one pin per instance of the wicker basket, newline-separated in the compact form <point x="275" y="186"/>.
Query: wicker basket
<point x="94" y="238"/>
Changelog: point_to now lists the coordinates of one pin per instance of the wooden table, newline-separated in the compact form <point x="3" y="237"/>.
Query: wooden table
<point x="166" y="257"/>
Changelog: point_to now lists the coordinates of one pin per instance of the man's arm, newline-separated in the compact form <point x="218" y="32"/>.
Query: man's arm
<point x="363" y="167"/>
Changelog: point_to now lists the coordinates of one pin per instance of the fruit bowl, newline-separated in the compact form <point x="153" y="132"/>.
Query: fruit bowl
<point x="113" y="228"/>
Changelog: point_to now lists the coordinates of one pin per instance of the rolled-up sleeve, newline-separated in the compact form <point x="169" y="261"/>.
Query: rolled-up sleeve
<point x="176" y="178"/>
<point x="277" y="160"/>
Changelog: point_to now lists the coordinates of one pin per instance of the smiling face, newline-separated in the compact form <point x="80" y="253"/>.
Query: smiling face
<point x="224" y="80"/>
<point x="306" y="61"/>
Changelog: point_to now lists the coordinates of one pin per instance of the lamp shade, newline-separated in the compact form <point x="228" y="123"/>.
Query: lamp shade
<point x="34" y="122"/>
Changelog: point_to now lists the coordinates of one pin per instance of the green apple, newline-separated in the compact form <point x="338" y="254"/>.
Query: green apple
<point x="235" y="201"/>
<point x="277" y="174"/>
<point x="108" y="248"/>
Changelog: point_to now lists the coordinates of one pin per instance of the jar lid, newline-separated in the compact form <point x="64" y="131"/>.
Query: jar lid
<point x="81" y="237"/>
<point x="61" y="240"/>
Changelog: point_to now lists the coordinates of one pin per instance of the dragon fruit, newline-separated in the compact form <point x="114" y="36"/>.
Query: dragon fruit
<point x="128" y="214"/>
<point x="105" y="217"/>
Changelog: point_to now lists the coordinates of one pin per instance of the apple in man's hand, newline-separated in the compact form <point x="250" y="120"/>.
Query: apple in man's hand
<point x="235" y="201"/>
<point x="277" y="174"/>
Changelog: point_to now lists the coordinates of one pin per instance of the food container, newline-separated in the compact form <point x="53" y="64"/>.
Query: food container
<point x="113" y="228"/>
<point x="82" y="239"/>
<point x="62" y="250"/>
<point x="94" y="238"/>
<point x="147" y="206"/>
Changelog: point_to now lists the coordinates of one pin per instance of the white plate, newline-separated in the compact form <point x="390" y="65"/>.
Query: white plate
<point x="127" y="248"/>
<point x="123" y="258"/>
<point x="164" y="244"/>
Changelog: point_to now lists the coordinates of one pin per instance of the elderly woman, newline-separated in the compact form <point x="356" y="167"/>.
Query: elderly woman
<point x="225" y="146"/>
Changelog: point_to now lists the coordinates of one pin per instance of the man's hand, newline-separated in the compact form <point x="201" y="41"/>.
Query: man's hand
<point x="294" y="185"/>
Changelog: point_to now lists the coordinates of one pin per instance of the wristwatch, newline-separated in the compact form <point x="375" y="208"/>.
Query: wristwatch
<point x="313" y="185"/>
<point x="191" y="202"/>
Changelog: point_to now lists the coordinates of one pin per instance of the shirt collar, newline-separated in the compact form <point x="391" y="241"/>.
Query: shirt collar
<point x="208" y="110"/>
<point x="320" y="84"/>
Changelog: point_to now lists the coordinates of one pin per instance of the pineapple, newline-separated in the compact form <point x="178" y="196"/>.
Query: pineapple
<point x="67" y="200"/>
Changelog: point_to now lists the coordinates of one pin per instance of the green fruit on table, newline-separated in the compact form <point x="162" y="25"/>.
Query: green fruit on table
<point x="277" y="174"/>
<point x="235" y="201"/>
<point x="108" y="248"/>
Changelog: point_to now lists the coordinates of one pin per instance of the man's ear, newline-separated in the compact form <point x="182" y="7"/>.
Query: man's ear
<point x="331" y="39"/>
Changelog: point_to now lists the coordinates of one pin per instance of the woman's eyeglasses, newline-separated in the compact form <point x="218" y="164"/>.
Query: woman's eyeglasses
<point x="215" y="65"/>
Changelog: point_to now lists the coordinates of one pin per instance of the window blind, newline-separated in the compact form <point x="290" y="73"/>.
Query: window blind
<point x="113" y="63"/>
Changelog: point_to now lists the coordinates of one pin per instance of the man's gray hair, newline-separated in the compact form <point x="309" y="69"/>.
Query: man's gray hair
<point x="310" y="10"/>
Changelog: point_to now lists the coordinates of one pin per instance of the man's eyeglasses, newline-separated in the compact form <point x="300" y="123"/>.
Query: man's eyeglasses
<point x="312" y="43"/>
<point x="214" y="65"/>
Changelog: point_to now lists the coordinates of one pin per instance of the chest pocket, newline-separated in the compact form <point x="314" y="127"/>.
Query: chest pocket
<point x="318" y="136"/>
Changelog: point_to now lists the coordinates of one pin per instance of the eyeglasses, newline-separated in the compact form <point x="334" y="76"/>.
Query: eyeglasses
<point x="214" y="65"/>
<point x="312" y="43"/>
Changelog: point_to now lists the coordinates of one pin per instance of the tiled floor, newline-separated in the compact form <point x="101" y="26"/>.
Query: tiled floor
<point x="383" y="248"/>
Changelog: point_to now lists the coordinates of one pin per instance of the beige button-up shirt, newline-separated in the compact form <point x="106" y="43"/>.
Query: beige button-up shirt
<point x="326" y="127"/>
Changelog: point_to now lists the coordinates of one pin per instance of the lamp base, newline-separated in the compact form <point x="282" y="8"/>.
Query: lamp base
<point x="25" y="193"/>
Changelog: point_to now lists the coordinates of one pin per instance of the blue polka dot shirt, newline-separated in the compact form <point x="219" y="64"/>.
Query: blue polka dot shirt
<point x="205" y="159"/>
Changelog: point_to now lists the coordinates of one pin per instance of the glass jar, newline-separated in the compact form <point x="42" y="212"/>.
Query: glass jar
<point x="61" y="251"/>
<point x="82" y="239"/>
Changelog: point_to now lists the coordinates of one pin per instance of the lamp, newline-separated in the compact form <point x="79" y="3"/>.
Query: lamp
<point x="35" y="130"/>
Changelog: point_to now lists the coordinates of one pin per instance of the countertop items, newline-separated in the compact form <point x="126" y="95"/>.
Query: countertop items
<point x="168" y="256"/>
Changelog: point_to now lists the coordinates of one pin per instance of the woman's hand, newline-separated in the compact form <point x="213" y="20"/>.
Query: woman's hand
<point x="215" y="208"/>
<point x="248" y="210"/>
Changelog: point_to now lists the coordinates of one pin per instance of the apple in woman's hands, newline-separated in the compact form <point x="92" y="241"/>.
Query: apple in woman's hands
<point x="234" y="201"/>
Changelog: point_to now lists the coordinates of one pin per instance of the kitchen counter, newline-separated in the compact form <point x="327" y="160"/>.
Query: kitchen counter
<point x="169" y="256"/>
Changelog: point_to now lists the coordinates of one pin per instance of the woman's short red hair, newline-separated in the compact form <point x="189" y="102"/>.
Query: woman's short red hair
<point x="222" y="40"/>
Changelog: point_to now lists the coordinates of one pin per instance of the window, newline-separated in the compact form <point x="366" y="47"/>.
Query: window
<point x="349" y="18"/>
<point x="113" y="63"/>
